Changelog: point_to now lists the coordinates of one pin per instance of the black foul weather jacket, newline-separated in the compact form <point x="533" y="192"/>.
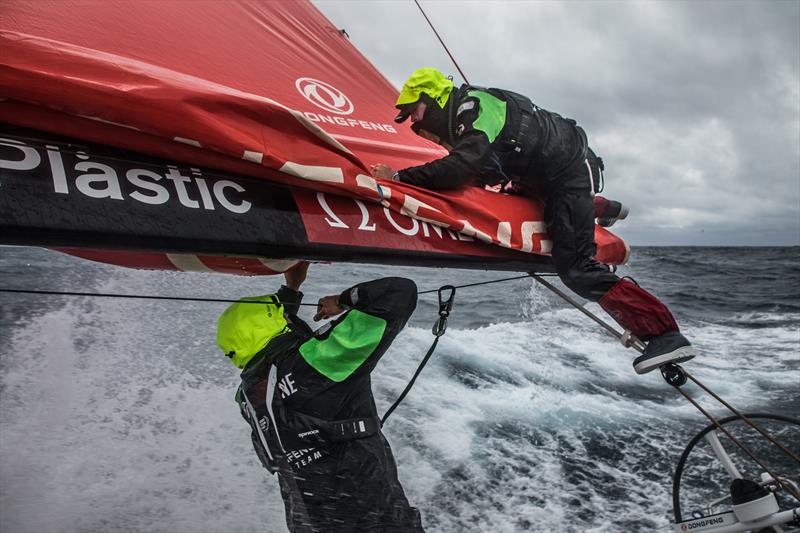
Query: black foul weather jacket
<point x="308" y="399"/>
<point x="496" y="136"/>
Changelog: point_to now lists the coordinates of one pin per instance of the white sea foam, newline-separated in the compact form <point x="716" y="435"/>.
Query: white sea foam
<point x="101" y="433"/>
<point x="119" y="416"/>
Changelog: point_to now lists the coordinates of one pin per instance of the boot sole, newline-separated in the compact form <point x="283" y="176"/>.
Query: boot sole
<point x="644" y="364"/>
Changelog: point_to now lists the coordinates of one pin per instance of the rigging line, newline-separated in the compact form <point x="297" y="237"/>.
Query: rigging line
<point x="744" y="418"/>
<point x="744" y="448"/>
<point x="442" y="42"/>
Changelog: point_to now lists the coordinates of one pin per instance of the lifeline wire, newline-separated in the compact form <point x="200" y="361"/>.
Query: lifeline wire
<point x="190" y="299"/>
<point x="483" y="283"/>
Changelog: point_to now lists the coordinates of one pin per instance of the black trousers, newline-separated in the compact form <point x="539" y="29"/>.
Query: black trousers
<point x="353" y="490"/>
<point x="569" y="216"/>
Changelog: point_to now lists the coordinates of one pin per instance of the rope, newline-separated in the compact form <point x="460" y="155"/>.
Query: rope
<point x="447" y="295"/>
<point x="411" y="382"/>
<point x="442" y="42"/>
<point x="745" y="419"/>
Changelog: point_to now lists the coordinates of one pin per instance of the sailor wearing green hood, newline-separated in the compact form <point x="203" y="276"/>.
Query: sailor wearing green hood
<point x="498" y="137"/>
<point x="307" y="397"/>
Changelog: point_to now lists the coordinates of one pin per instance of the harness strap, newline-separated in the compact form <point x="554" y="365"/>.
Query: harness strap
<point x="354" y="428"/>
<point x="306" y="430"/>
<point x="524" y="126"/>
<point x="439" y="327"/>
<point x="410" y="383"/>
<point x="524" y="111"/>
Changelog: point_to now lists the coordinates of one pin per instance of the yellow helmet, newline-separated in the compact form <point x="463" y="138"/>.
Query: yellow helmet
<point x="426" y="80"/>
<point x="244" y="329"/>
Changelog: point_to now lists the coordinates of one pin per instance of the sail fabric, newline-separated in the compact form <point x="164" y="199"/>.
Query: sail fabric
<point x="270" y="90"/>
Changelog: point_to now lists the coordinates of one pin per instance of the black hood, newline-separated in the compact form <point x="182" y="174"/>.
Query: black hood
<point x="436" y="119"/>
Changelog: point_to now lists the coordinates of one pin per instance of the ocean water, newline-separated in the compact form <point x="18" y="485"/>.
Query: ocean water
<point x="118" y="415"/>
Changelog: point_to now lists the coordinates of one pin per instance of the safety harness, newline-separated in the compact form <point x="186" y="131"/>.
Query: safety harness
<point x="520" y="120"/>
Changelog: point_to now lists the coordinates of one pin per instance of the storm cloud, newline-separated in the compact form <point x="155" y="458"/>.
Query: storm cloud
<point x="694" y="106"/>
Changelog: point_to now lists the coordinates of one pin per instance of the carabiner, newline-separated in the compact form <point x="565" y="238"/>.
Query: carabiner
<point x="445" y="306"/>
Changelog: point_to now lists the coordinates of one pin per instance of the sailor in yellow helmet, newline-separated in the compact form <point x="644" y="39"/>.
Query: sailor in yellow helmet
<point x="308" y="399"/>
<point x="424" y="97"/>
<point x="425" y="81"/>
<point x="500" y="138"/>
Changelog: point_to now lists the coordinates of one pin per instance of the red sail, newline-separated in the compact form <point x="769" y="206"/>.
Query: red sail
<point x="270" y="90"/>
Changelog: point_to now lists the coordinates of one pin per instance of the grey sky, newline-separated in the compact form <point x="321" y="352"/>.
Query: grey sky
<point x="694" y="106"/>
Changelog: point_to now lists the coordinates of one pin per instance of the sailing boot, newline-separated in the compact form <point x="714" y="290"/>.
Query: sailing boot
<point x="645" y="316"/>
<point x="609" y="211"/>
<point x="669" y="347"/>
